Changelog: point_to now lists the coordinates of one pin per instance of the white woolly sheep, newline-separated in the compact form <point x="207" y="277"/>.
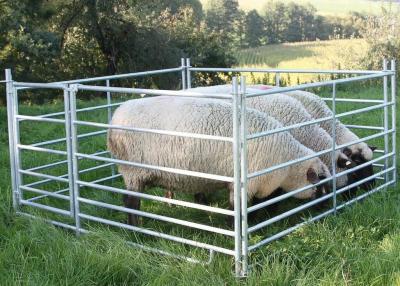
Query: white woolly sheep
<point x="289" y="111"/>
<point x="205" y="116"/>
<point x="359" y="153"/>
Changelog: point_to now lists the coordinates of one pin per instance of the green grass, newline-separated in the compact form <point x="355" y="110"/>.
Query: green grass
<point x="359" y="246"/>
<point x="303" y="55"/>
<point x="324" y="7"/>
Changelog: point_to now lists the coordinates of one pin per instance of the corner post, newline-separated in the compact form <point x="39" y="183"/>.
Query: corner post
<point x="188" y="74"/>
<point x="11" y="137"/>
<point x="68" y="137"/>
<point x="109" y="117"/>
<point x="184" y="81"/>
<point x="334" y="147"/>
<point x="393" y="86"/>
<point x="74" y="146"/>
<point x="386" y="118"/>
<point x="243" y="174"/>
<point x="237" y="178"/>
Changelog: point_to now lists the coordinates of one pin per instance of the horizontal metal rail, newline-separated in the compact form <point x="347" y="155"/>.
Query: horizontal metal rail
<point x="46" y="208"/>
<point x="129" y="243"/>
<point x="319" y="120"/>
<point x="353" y="100"/>
<point x="289" y="230"/>
<point x="40" y="149"/>
<point x="362" y="196"/>
<point x="157" y="198"/>
<point x="155" y="131"/>
<point x="355" y="184"/>
<point x="293" y="228"/>
<point x="314" y="155"/>
<point x="289" y="213"/>
<point x="158" y="168"/>
<point x="158" y="217"/>
<point x="256" y="70"/>
<point x="40" y="175"/>
<point x="366" y="127"/>
<point x="66" y="175"/>
<point x="49" y="142"/>
<point x="46" y="193"/>
<point x="158" y="234"/>
<point x="90" y="108"/>
<point x="51" y="114"/>
<point x="60" y="140"/>
<point x="153" y="92"/>
<point x="111" y="77"/>
<point x="53" y="222"/>
<point x="41" y="167"/>
<point x="39" y="85"/>
<point x="112" y="177"/>
<point x="320" y="84"/>
<point x="169" y="254"/>
<point x="292" y="193"/>
<point x="40" y="119"/>
<point x="313" y="202"/>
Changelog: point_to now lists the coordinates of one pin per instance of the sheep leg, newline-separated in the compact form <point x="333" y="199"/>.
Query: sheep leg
<point x="169" y="195"/>
<point x="132" y="203"/>
<point x="201" y="198"/>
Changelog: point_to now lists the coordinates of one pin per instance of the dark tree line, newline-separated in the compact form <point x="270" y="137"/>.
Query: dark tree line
<point x="43" y="40"/>
<point x="279" y="23"/>
<point x="51" y="40"/>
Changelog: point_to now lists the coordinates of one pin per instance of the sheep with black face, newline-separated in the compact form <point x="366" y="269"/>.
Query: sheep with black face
<point x="205" y="116"/>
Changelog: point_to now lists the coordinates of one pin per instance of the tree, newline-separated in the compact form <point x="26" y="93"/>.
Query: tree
<point x="223" y="17"/>
<point x="276" y="22"/>
<point x="254" y="29"/>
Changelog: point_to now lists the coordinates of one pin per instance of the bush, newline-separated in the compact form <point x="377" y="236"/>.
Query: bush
<point x="382" y="34"/>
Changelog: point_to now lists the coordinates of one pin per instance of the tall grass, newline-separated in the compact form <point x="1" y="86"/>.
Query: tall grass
<point x="359" y="246"/>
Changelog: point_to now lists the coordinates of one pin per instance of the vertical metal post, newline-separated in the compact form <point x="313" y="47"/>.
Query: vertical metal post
<point x="109" y="117"/>
<point x="393" y="86"/>
<point x="183" y="73"/>
<point x="334" y="146"/>
<point x="277" y="79"/>
<point x="16" y="142"/>
<point x="386" y="118"/>
<point x="74" y="145"/>
<point x="188" y="75"/>
<point x="68" y="138"/>
<point x="11" y="118"/>
<point x="237" y="178"/>
<point x="243" y="174"/>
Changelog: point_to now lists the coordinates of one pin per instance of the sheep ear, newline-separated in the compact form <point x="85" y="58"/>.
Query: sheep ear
<point x="373" y="148"/>
<point x="312" y="176"/>
<point x="343" y="162"/>
<point x="347" y="151"/>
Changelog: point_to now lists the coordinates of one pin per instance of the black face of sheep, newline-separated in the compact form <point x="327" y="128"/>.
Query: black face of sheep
<point x="322" y="189"/>
<point x="362" y="173"/>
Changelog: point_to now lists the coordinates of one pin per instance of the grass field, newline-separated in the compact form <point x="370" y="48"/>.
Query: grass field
<point x="304" y="55"/>
<point x="359" y="246"/>
<point x="324" y="7"/>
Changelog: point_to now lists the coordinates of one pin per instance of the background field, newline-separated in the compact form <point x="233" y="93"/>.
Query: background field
<point x="324" y="7"/>
<point x="304" y="55"/>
